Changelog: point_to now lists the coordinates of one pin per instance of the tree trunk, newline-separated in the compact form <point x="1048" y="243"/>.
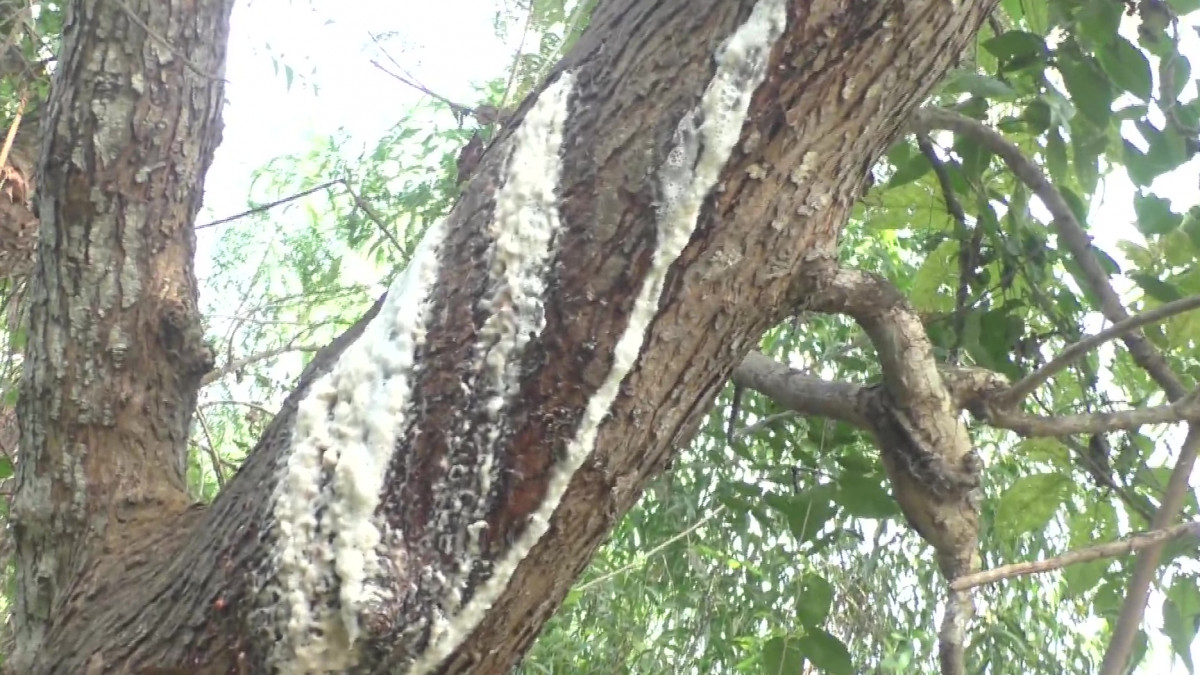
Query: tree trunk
<point x="444" y="471"/>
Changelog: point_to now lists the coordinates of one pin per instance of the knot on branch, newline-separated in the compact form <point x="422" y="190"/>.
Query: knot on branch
<point x="182" y="338"/>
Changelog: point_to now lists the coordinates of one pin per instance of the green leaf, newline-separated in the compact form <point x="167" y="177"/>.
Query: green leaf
<point x="975" y="158"/>
<point x="6" y="468"/>
<point x="1184" y="6"/>
<point x="1155" y="287"/>
<point x="1047" y="450"/>
<point x="1088" y="143"/>
<point x="1039" y="115"/>
<point x="1061" y="109"/>
<point x="1029" y="503"/>
<point x="1167" y="150"/>
<point x="1191" y="225"/>
<point x="865" y="496"/>
<point x="1181" y="617"/>
<point x="807" y="512"/>
<point x="1154" y="214"/>
<point x="1138" y="165"/>
<point x="782" y="656"/>
<point x="1175" y="71"/>
<point x="1015" y="9"/>
<point x="1127" y="66"/>
<point x="983" y="86"/>
<point x="1078" y="208"/>
<point x="826" y="652"/>
<point x="1098" y="21"/>
<point x="939" y="267"/>
<point x="1016" y="44"/>
<point x="914" y="167"/>
<point x="1087" y="85"/>
<point x="1098" y="522"/>
<point x="814" y="600"/>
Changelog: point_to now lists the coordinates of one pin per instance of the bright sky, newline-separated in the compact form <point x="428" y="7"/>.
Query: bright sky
<point x="448" y="45"/>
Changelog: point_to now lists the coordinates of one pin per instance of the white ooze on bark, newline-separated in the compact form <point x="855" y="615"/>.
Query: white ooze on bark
<point x="690" y="173"/>
<point x="345" y="435"/>
<point x="525" y="223"/>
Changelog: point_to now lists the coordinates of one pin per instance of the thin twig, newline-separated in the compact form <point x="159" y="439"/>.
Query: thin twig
<point x="966" y="257"/>
<point x="238" y="364"/>
<point x="456" y="108"/>
<point x="1032" y="381"/>
<point x="270" y="205"/>
<point x="1110" y="549"/>
<point x="512" y="71"/>
<point x="213" y="458"/>
<point x="652" y="552"/>
<point x="767" y="421"/>
<point x="247" y="404"/>
<point x="12" y="130"/>
<point x="373" y="216"/>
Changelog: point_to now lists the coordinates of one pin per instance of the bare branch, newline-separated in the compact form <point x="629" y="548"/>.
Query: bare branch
<point x="270" y="205"/>
<point x="373" y="217"/>
<point x="641" y="560"/>
<point x="456" y="108"/>
<point x="1030" y="426"/>
<point x="12" y="130"/>
<point x="805" y="394"/>
<point x="238" y="364"/>
<point x="1032" y="381"/>
<point x="764" y="423"/>
<point x="1107" y="550"/>
<point x="211" y="449"/>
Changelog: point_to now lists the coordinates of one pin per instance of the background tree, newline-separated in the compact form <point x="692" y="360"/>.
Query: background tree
<point x="780" y="509"/>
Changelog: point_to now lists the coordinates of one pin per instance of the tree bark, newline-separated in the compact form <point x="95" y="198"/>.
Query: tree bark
<point x="443" y="472"/>
<point x="114" y="354"/>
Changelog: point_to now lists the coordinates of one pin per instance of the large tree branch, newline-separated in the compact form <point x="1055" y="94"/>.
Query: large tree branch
<point x="806" y="394"/>
<point x="975" y="390"/>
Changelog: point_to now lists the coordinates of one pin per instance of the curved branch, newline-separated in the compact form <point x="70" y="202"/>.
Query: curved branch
<point x="924" y="445"/>
<point x="238" y="364"/>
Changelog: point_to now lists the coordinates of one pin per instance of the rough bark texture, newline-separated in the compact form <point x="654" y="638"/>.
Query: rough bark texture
<point x="554" y="369"/>
<point x="115" y="352"/>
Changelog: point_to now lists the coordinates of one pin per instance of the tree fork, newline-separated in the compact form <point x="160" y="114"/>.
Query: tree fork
<point x="427" y="496"/>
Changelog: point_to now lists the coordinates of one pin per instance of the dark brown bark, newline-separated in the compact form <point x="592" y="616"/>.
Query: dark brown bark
<point x="119" y="574"/>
